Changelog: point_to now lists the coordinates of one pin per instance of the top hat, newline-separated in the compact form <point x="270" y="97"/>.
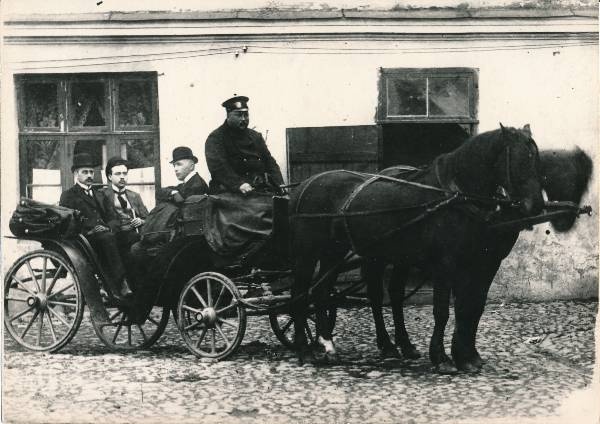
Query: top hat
<point x="236" y="103"/>
<point x="183" y="152"/>
<point x="115" y="161"/>
<point x="83" y="160"/>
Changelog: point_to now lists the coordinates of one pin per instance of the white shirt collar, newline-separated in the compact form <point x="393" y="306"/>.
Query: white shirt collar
<point x="117" y="189"/>
<point x="190" y="175"/>
<point x="83" y="186"/>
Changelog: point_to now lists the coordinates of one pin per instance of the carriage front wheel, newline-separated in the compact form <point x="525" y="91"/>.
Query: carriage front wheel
<point x="211" y="319"/>
<point x="43" y="304"/>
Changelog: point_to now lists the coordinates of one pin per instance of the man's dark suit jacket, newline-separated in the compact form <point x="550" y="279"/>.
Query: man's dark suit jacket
<point x="94" y="209"/>
<point x="135" y="200"/>
<point x="195" y="185"/>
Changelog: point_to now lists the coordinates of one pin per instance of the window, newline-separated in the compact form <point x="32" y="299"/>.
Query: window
<point x="428" y="95"/>
<point x="101" y="114"/>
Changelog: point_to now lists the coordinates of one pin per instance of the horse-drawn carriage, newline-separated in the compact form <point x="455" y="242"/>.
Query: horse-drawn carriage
<point x="46" y="290"/>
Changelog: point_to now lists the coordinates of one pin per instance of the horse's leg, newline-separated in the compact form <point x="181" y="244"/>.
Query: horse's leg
<point x="468" y="307"/>
<point x="396" y="290"/>
<point x="321" y="297"/>
<point x="373" y="276"/>
<point x="303" y="270"/>
<point x="441" y="304"/>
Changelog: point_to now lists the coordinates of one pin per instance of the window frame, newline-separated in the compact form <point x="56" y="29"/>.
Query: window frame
<point x="68" y="135"/>
<point x="388" y="74"/>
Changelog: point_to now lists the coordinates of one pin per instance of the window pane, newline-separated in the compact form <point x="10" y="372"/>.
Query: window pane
<point x="406" y="96"/>
<point x="88" y="104"/>
<point x="97" y="150"/>
<point x="135" y="103"/>
<point x="43" y="170"/>
<point x="140" y="154"/>
<point x="41" y="105"/>
<point x="449" y="96"/>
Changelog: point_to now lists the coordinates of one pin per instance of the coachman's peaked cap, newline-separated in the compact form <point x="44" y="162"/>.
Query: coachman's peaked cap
<point x="236" y="103"/>
<point x="183" y="152"/>
<point x="83" y="160"/>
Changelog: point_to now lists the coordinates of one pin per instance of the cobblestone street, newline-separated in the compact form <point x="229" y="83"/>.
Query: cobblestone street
<point x="537" y="356"/>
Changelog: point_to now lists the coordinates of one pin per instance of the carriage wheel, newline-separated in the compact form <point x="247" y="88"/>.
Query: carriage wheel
<point x="122" y="333"/>
<point x="210" y="319"/>
<point x="283" y="327"/>
<point x="43" y="304"/>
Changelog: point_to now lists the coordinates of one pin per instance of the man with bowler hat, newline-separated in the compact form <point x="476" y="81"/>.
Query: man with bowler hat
<point x="237" y="157"/>
<point x="92" y="205"/>
<point x="127" y="211"/>
<point x="184" y="163"/>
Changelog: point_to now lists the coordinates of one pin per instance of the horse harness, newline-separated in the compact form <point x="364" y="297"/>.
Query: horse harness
<point x="451" y="195"/>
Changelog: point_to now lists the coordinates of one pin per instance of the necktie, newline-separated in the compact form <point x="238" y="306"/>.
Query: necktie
<point x="89" y="192"/>
<point x="121" y="199"/>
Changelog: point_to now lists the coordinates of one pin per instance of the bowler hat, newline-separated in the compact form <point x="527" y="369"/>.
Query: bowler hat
<point x="83" y="160"/>
<point x="115" y="161"/>
<point x="236" y="103"/>
<point x="183" y="152"/>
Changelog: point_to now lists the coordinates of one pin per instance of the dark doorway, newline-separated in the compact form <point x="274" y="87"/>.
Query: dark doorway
<point x="418" y="144"/>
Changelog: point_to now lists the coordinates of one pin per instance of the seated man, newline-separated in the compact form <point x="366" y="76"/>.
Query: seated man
<point x="184" y="163"/>
<point x="91" y="204"/>
<point x="127" y="211"/>
<point x="237" y="157"/>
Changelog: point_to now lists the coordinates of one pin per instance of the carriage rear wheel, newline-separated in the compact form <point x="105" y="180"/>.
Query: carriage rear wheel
<point x="123" y="332"/>
<point x="43" y="304"/>
<point x="283" y="327"/>
<point x="211" y="320"/>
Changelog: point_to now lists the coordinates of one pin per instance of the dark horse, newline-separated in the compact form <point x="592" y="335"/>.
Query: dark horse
<point x="436" y="221"/>
<point x="565" y="177"/>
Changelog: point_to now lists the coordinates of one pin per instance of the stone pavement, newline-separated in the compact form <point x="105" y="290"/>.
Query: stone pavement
<point x="536" y="356"/>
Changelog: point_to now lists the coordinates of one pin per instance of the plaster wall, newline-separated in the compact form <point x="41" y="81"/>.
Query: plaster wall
<point x="322" y="83"/>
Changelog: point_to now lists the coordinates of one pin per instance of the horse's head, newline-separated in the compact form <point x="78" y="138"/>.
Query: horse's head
<point x="517" y="168"/>
<point x="565" y="177"/>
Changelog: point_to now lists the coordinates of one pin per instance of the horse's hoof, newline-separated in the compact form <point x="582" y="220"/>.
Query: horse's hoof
<point x="305" y="355"/>
<point x="390" y="352"/>
<point x="446" y="368"/>
<point x="410" y="352"/>
<point x="469" y="367"/>
<point x="477" y="361"/>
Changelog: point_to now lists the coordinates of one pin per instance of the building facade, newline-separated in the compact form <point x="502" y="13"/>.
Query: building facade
<point x="359" y="88"/>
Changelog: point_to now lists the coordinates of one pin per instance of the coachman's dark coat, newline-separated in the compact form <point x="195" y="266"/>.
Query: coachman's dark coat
<point x="235" y="157"/>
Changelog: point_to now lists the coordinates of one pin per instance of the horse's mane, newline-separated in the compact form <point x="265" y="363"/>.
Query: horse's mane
<point x="566" y="173"/>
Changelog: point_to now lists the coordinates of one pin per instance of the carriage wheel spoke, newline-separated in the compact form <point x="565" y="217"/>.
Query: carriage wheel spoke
<point x="199" y="297"/>
<point x="33" y="275"/>
<point x="213" y="342"/>
<point x="226" y="308"/>
<point x="219" y="297"/>
<point x="287" y="325"/>
<point x="189" y="308"/>
<point x="35" y="315"/>
<point x="209" y="292"/>
<point x="204" y="330"/>
<point x="116" y="314"/>
<point x="44" y="266"/>
<point x="193" y="325"/>
<point x="69" y="304"/>
<point x="40" y="326"/>
<point x="118" y="330"/>
<point x="14" y="299"/>
<point x="61" y="290"/>
<point x="310" y="335"/>
<point x="54" y="279"/>
<point x="153" y="321"/>
<point x="22" y="284"/>
<point x="51" y="324"/>
<point x="142" y="331"/>
<point x="229" y="323"/>
<point x="23" y="312"/>
<point x="227" y="342"/>
<point x="59" y="317"/>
